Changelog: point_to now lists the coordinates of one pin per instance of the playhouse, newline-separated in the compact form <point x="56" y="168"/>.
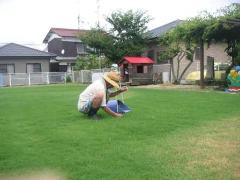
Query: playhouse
<point x="136" y="70"/>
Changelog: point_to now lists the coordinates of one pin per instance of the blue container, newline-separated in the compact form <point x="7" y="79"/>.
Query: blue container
<point x="237" y="68"/>
<point x="118" y="106"/>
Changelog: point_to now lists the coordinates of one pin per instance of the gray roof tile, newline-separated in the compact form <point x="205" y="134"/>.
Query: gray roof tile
<point x="159" y="31"/>
<point x="16" y="50"/>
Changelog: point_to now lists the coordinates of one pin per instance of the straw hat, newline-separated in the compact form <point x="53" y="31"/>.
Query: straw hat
<point x="112" y="78"/>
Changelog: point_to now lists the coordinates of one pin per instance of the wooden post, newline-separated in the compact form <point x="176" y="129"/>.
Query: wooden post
<point x="201" y="64"/>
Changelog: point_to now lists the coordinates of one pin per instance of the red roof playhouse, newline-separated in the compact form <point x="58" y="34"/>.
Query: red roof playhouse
<point x="136" y="70"/>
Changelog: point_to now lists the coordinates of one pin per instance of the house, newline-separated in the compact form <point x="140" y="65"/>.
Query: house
<point x="136" y="70"/>
<point x="66" y="44"/>
<point x="214" y="57"/>
<point x="213" y="54"/>
<point x="15" y="58"/>
<point x="154" y="50"/>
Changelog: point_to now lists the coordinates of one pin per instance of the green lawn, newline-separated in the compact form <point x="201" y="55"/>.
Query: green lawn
<point x="170" y="134"/>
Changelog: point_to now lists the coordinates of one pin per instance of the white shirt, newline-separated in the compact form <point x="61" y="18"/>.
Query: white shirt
<point x="89" y="93"/>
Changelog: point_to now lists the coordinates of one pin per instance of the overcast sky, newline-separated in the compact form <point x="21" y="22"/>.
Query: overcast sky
<point x="28" y="21"/>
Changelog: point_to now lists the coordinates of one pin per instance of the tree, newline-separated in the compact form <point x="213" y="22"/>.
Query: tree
<point x="190" y="34"/>
<point x="227" y="29"/>
<point x="100" y="43"/>
<point x="175" y="47"/>
<point x="194" y="34"/>
<point x="126" y="36"/>
<point x="207" y="27"/>
<point x="91" y="62"/>
<point x="196" y="31"/>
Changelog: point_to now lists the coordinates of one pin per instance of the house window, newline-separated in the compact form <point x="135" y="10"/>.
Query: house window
<point x="63" y="68"/>
<point x="34" y="67"/>
<point x="7" y="68"/>
<point x="198" y="66"/>
<point x="140" y="69"/>
<point x="197" y="53"/>
<point x="3" y="68"/>
<point x="80" y="49"/>
<point x="221" y="66"/>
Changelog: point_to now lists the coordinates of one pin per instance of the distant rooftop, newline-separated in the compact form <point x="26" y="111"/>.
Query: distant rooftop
<point x="63" y="32"/>
<point x="17" y="50"/>
<point x="159" y="31"/>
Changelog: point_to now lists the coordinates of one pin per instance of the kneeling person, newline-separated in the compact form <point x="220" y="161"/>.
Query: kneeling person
<point x="95" y="95"/>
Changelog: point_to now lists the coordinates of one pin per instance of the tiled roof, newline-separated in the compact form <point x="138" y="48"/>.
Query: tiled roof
<point x="137" y="60"/>
<point x="67" y="32"/>
<point x="16" y="50"/>
<point x="63" y="32"/>
<point x="159" y="31"/>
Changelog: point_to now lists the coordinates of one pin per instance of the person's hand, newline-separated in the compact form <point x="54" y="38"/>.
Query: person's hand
<point x="124" y="88"/>
<point x="119" y="115"/>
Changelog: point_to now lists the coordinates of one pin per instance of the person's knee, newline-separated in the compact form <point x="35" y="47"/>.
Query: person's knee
<point x="99" y="95"/>
<point x="97" y="100"/>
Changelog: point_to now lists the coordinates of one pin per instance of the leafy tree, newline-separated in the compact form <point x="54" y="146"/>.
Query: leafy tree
<point x="227" y="29"/>
<point x="182" y="41"/>
<point x="99" y="41"/>
<point x="91" y="62"/>
<point x="175" y="48"/>
<point x="223" y="27"/>
<point x="207" y="28"/>
<point x="126" y="36"/>
<point x="194" y="34"/>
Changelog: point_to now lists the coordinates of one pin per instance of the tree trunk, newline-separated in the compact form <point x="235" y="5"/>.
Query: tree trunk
<point x="201" y="64"/>
<point x="181" y="55"/>
<point x="185" y="69"/>
<point x="179" y="58"/>
<point x="178" y="64"/>
<point x="173" y="72"/>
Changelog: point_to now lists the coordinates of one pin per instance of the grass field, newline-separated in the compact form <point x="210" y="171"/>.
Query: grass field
<point x="170" y="134"/>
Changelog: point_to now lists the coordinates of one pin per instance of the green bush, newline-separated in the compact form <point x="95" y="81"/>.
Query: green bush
<point x="68" y="79"/>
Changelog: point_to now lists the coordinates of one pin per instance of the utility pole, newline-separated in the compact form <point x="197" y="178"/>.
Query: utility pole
<point x="98" y="13"/>
<point x="78" y="21"/>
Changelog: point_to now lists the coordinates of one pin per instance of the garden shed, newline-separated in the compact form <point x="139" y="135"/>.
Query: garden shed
<point x="136" y="70"/>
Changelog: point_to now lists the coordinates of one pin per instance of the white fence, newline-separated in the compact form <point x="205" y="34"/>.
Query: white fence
<point x="161" y="73"/>
<point x="83" y="76"/>
<point x="28" y="79"/>
<point x="87" y="76"/>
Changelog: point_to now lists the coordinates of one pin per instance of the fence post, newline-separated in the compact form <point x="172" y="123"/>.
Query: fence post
<point x="73" y="78"/>
<point x="10" y="80"/>
<point x="82" y="76"/>
<point x="29" y="79"/>
<point x="65" y="78"/>
<point x="48" y="82"/>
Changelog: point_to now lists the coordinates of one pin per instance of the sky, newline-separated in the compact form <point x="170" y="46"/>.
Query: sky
<point x="27" y="22"/>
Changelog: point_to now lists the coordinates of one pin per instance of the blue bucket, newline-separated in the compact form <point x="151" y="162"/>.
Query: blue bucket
<point x="118" y="106"/>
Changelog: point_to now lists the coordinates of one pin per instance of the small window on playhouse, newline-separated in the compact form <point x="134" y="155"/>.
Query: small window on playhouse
<point x="140" y="69"/>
